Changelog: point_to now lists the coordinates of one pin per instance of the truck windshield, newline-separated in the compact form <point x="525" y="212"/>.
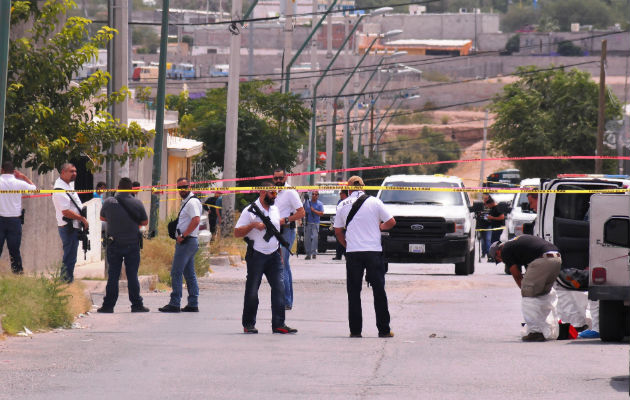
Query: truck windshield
<point x="422" y="197"/>
<point x="329" y="198"/>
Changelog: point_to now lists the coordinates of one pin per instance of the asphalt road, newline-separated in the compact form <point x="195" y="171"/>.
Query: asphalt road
<point x="456" y="338"/>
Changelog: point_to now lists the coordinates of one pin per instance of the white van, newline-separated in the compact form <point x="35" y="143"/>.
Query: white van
<point x="431" y="226"/>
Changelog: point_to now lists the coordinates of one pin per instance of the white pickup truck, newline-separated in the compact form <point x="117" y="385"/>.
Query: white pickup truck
<point x="431" y="226"/>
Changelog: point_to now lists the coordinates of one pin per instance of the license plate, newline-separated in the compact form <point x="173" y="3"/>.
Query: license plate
<point x="416" y="248"/>
<point x="330" y="239"/>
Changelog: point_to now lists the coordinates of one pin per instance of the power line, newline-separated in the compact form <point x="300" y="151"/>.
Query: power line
<point x="371" y="67"/>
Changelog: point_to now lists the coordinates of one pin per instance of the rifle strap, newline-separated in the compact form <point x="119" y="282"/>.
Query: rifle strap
<point x="355" y="208"/>
<point x="71" y="199"/>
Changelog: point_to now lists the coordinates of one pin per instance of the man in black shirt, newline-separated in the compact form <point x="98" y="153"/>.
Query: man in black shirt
<point x="124" y="215"/>
<point x="542" y="263"/>
<point x="495" y="222"/>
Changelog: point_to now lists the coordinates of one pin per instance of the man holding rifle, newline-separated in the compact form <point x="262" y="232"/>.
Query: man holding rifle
<point x="70" y="221"/>
<point x="259" y="225"/>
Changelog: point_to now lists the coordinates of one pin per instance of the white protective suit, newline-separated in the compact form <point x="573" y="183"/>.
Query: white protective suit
<point x="575" y="308"/>
<point x="540" y="314"/>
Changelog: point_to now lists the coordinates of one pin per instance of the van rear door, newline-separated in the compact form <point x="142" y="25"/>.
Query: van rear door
<point x="564" y="217"/>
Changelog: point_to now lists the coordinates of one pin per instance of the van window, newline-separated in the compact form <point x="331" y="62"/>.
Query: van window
<point x="575" y="205"/>
<point x="421" y="197"/>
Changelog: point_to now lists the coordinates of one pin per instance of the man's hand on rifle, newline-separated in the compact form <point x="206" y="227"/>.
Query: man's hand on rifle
<point x="85" y="223"/>
<point x="258" y="225"/>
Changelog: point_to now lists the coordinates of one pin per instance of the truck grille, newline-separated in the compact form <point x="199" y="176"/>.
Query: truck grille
<point x="425" y="227"/>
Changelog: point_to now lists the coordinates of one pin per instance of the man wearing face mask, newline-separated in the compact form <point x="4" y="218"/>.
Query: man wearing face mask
<point x="185" y="249"/>
<point x="291" y="209"/>
<point x="263" y="257"/>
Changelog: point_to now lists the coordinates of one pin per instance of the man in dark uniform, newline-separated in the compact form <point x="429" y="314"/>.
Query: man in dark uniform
<point x="542" y="265"/>
<point x="124" y="215"/>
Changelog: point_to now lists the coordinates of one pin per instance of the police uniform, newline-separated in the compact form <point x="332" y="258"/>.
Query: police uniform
<point x="364" y="253"/>
<point x="264" y="259"/>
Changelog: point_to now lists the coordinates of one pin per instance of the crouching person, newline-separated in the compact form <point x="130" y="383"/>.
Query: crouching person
<point x="259" y="224"/>
<point x="542" y="265"/>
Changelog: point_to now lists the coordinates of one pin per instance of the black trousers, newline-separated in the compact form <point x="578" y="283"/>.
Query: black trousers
<point x="116" y="254"/>
<point x="373" y="264"/>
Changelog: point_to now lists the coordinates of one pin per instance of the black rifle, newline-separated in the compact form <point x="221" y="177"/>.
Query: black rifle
<point x="270" y="227"/>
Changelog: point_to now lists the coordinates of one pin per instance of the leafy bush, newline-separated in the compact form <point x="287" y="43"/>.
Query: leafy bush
<point x="513" y="44"/>
<point x="34" y="302"/>
<point x="567" y="48"/>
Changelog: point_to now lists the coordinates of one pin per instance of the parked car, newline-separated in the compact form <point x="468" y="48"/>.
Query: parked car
<point x="520" y="213"/>
<point x="431" y="226"/>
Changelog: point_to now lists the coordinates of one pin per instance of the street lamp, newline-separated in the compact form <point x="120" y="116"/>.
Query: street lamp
<point x="387" y="35"/>
<point x="313" y="134"/>
<point x="346" y="157"/>
<point x="400" y="97"/>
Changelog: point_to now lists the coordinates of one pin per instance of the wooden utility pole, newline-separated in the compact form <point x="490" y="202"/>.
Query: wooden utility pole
<point x="601" y="115"/>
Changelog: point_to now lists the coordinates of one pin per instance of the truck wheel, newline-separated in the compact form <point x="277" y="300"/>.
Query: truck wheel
<point x="463" y="268"/>
<point x="471" y="266"/>
<point x="612" y="320"/>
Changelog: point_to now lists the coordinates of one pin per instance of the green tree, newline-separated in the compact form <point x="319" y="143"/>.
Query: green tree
<point x="50" y="120"/>
<point x="272" y="127"/>
<point x="549" y="113"/>
<point x="586" y="12"/>
<point x="517" y="18"/>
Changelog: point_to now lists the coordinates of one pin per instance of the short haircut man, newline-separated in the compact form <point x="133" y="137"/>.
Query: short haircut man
<point x="11" y="218"/>
<point x="124" y="215"/>
<point x="361" y="236"/>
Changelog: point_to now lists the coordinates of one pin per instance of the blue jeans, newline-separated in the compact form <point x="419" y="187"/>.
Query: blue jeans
<point x="70" y="240"/>
<point x="269" y="265"/>
<point x="184" y="265"/>
<point x="11" y="231"/>
<point x="311" y="237"/>
<point x="289" y="235"/>
<point x="489" y="238"/>
<point x="116" y="253"/>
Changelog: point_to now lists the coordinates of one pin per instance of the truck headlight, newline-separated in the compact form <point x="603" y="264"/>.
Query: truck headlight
<point x="461" y="226"/>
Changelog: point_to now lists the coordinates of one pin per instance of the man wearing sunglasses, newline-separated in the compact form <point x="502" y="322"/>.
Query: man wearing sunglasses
<point x="185" y="250"/>
<point x="291" y="209"/>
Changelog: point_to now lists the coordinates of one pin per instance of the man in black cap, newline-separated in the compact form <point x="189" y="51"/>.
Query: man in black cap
<point x="542" y="265"/>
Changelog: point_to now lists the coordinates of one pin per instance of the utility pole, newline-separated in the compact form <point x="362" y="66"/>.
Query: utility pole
<point x="371" y="131"/>
<point x="231" y="124"/>
<point x="483" y="149"/>
<point x="120" y="77"/>
<point x="5" y="22"/>
<point x="156" y="175"/>
<point x="288" y="38"/>
<point x="329" y="34"/>
<point x="601" y="115"/>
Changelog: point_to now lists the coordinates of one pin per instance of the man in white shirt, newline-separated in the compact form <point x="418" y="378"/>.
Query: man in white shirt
<point x="263" y="257"/>
<point x="68" y="213"/>
<point x="185" y="250"/>
<point x="360" y="233"/>
<point x="11" y="212"/>
<point x="291" y="209"/>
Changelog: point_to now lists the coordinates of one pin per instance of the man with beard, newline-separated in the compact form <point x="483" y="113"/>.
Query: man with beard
<point x="185" y="249"/>
<point x="263" y="257"/>
<point x="291" y="209"/>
